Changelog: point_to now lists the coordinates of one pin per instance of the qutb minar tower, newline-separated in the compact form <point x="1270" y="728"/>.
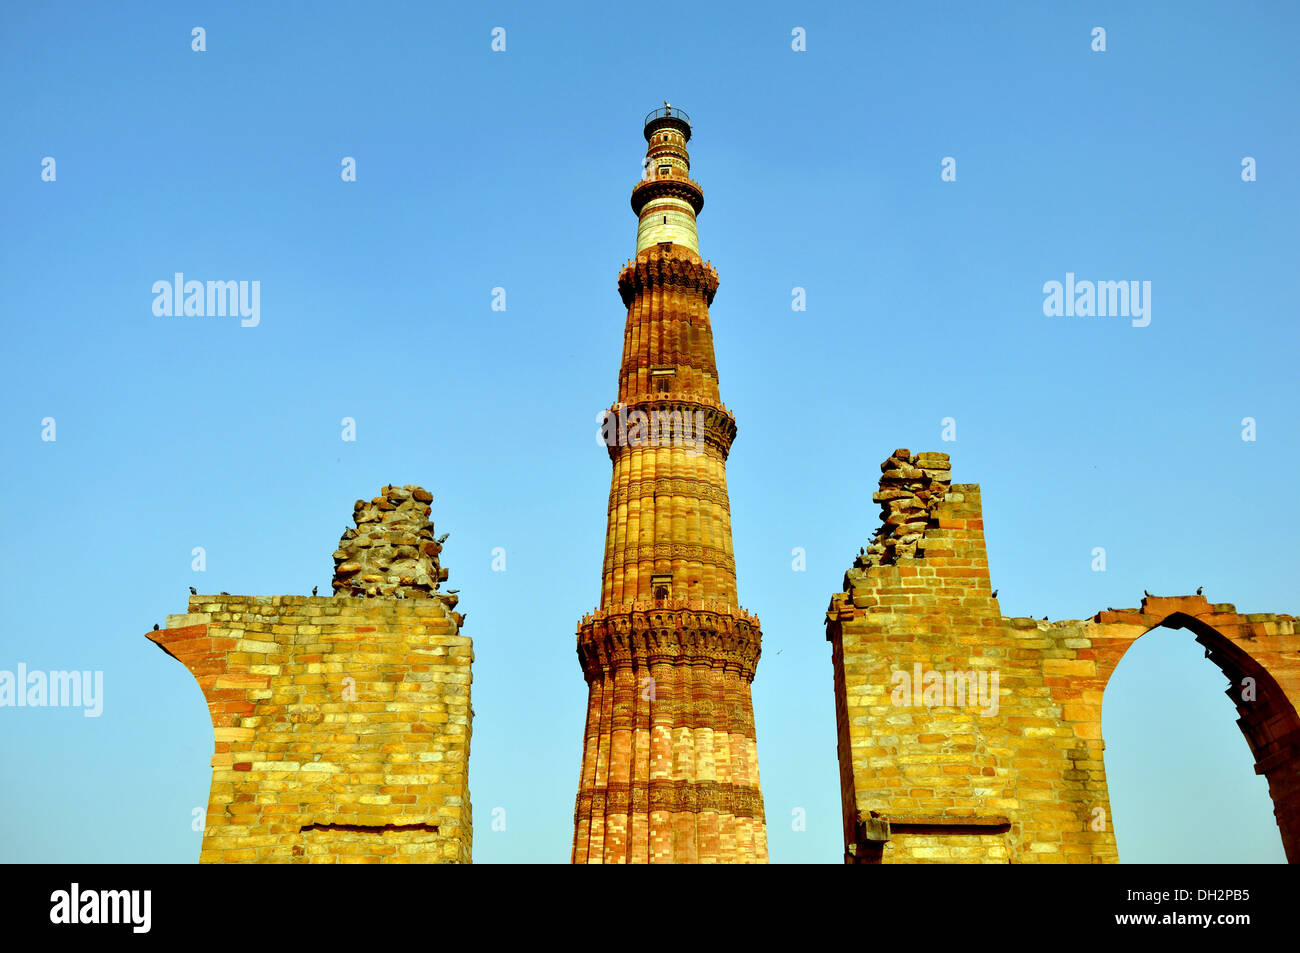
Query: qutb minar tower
<point x="669" y="762"/>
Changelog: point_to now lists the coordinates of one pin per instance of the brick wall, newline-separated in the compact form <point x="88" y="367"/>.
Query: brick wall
<point x="342" y="727"/>
<point x="965" y="736"/>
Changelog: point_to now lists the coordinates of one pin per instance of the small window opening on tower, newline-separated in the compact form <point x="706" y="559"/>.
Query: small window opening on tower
<point x="665" y="170"/>
<point x="661" y="587"/>
<point x="665" y="219"/>
<point x="661" y="379"/>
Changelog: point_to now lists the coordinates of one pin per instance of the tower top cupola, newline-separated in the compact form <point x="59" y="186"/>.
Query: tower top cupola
<point x="668" y="116"/>
<point x="666" y="200"/>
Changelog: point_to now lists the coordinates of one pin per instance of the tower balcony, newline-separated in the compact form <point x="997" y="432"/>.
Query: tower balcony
<point x="677" y="186"/>
<point x="689" y="632"/>
<point x="683" y="420"/>
<point x="667" y="115"/>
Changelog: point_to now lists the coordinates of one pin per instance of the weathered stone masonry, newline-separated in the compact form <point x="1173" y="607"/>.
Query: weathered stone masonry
<point x="342" y="724"/>
<point x="1025" y="783"/>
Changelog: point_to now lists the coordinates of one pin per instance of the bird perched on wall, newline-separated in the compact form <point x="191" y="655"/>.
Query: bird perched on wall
<point x="1147" y="594"/>
<point x="315" y="589"/>
<point x="861" y="551"/>
<point x="1200" y="590"/>
<point x="155" y="626"/>
<point x="224" y="593"/>
<point x="995" y="593"/>
<point x="1044" y="618"/>
<point x="193" y="591"/>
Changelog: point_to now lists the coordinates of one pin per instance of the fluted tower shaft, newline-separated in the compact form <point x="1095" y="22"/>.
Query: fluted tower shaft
<point x="670" y="767"/>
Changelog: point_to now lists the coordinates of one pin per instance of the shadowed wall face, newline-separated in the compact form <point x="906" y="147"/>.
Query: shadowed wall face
<point x="965" y="736"/>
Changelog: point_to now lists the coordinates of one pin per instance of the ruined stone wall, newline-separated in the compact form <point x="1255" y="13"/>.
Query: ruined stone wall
<point x="392" y="550"/>
<point x="341" y="724"/>
<point x="965" y="736"/>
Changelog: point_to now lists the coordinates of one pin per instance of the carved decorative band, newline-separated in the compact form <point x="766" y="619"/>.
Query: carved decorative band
<point x="668" y="149"/>
<point x="654" y="269"/>
<point x="672" y="797"/>
<point x="689" y="487"/>
<point x="637" y="639"/>
<point x="632" y="555"/>
<point x="666" y="356"/>
<point x="654" y="608"/>
<point x="675" y="706"/>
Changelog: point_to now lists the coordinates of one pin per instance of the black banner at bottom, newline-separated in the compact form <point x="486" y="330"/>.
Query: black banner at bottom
<point x="687" y="904"/>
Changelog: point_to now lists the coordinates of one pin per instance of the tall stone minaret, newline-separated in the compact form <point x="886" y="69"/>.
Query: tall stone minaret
<point x="669" y="764"/>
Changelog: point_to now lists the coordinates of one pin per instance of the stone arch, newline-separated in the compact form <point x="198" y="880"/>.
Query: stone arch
<point x="1261" y="647"/>
<point x="1029" y="786"/>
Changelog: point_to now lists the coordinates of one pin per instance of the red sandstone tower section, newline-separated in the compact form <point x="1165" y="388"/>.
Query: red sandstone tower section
<point x="669" y="765"/>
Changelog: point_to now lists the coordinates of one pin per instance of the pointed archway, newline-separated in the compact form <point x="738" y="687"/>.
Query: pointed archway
<point x="1260" y="656"/>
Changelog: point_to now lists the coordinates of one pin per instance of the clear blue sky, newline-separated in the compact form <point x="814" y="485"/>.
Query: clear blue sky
<point x="476" y="169"/>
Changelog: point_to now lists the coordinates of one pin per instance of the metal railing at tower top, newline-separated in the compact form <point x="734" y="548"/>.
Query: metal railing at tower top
<point x="667" y="112"/>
